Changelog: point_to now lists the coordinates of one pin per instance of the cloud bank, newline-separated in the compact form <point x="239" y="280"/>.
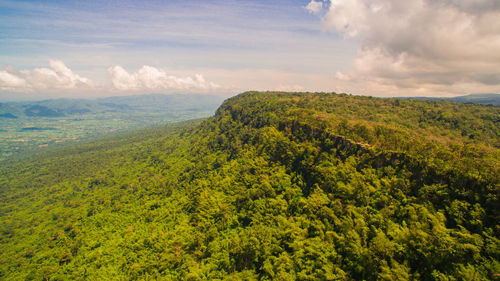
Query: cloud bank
<point x="427" y="45"/>
<point x="149" y="78"/>
<point x="57" y="77"/>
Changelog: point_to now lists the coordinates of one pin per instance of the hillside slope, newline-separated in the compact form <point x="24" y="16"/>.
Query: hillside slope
<point x="275" y="186"/>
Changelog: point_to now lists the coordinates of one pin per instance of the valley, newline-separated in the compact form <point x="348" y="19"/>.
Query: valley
<point x="27" y="127"/>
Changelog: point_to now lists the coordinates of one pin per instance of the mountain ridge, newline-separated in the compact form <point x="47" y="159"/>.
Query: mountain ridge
<point x="289" y="186"/>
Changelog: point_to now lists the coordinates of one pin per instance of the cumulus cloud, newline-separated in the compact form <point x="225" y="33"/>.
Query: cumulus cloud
<point x="149" y="78"/>
<point x="57" y="77"/>
<point x="290" y="88"/>
<point x="418" y="44"/>
<point x="10" y="81"/>
<point x="314" y="7"/>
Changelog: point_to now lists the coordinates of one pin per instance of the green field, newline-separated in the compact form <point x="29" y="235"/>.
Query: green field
<point x="27" y="127"/>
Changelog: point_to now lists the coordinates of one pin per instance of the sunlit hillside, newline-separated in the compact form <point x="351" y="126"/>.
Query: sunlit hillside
<point x="274" y="186"/>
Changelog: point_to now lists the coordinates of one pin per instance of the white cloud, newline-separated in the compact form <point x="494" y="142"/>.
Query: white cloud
<point x="314" y="7"/>
<point x="149" y="78"/>
<point x="11" y="82"/>
<point x="346" y="16"/>
<point x="290" y="88"/>
<point x="342" y="76"/>
<point x="422" y="45"/>
<point x="57" y="77"/>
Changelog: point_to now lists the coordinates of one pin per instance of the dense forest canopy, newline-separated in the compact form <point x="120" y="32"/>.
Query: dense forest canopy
<point x="274" y="186"/>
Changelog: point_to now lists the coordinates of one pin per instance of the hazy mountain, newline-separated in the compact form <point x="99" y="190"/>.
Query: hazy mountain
<point x="484" y="99"/>
<point x="34" y="125"/>
<point x="152" y="102"/>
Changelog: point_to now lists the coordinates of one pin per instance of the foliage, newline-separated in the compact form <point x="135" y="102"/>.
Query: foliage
<point x="275" y="186"/>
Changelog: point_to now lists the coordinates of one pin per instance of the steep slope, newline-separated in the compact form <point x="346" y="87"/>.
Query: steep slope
<point x="274" y="186"/>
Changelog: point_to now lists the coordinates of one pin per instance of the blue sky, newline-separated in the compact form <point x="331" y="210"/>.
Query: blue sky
<point x="92" y="48"/>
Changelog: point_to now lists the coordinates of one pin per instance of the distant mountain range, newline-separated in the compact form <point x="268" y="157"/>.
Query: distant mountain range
<point x="158" y="103"/>
<point x="28" y="126"/>
<point x="485" y="99"/>
<point x="148" y="103"/>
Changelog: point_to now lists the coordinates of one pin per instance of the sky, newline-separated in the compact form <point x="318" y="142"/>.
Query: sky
<point x="368" y="47"/>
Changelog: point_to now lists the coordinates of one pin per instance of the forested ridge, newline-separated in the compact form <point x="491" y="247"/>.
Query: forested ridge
<point x="274" y="186"/>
